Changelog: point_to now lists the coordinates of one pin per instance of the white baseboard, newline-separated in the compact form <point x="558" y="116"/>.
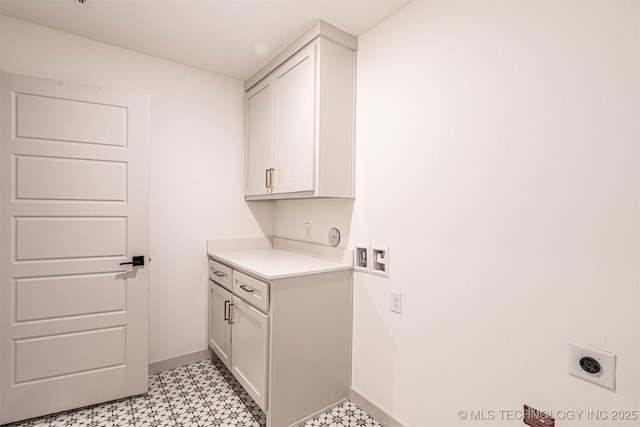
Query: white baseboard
<point x="322" y="411"/>
<point x="178" y="361"/>
<point x="372" y="410"/>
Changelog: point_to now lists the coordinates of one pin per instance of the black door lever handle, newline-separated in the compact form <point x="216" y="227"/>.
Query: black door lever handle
<point x="138" y="261"/>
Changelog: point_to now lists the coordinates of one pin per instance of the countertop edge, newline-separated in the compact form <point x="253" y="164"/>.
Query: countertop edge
<point x="244" y="269"/>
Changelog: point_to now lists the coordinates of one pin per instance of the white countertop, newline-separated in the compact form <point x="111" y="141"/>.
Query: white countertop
<point x="271" y="264"/>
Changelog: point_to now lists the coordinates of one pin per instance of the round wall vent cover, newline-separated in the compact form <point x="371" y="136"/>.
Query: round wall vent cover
<point x="334" y="237"/>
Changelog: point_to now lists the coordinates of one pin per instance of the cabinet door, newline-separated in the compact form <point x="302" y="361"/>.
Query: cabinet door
<point x="250" y="350"/>
<point x="295" y="107"/>
<point x="259" y="138"/>
<point x="219" y="326"/>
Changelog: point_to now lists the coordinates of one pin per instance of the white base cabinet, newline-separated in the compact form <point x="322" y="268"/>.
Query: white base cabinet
<point x="238" y="335"/>
<point x="219" y="326"/>
<point x="287" y="341"/>
<point x="249" y="338"/>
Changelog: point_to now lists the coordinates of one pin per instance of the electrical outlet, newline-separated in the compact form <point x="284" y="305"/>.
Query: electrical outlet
<point x="593" y="365"/>
<point x="396" y="302"/>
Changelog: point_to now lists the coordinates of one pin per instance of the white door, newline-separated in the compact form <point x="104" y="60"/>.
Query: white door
<point x="259" y="139"/>
<point x="74" y="190"/>
<point x="219" y="323"/>
<point x="295" y="107"/>
<point x="250" y="350"/>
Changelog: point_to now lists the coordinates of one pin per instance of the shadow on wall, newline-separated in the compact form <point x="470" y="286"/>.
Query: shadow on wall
<point x="263" y="212"/>
<point x="374" y="345"/>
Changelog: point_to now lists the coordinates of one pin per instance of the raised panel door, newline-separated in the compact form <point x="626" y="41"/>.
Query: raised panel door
<point x="74" y="206"/>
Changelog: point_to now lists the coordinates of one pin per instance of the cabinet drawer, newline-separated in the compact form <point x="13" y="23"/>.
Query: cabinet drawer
<point x="220" y="273"/>
<point x="251" y="290"/>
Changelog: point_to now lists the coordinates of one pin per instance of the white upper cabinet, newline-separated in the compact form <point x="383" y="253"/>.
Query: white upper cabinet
<point x="294" y="100"/>
<point x="258" y="155"/>
<point x="300" y="120"/>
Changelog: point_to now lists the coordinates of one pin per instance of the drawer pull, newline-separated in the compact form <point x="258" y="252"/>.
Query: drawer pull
<point x="247" y="289"/>
<point x="219" y="273"/>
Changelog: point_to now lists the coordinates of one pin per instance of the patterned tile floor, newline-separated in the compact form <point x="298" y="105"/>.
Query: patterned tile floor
<point x="202" y="394"/>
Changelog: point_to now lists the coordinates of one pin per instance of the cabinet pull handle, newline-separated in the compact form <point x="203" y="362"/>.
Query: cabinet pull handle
<point x="226" y="310"/>
<point x="230" y="319"/>
<point x="247" y="289"/>
<point x="268" y="178"/>
<point x="219" y="273"/>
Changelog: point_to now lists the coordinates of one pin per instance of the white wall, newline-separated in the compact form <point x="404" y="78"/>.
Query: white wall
<point x="497" y="153"/>
<point x="197" y="148"/>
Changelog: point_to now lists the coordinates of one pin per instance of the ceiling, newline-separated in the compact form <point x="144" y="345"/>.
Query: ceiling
<point x="233" y="38"/>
